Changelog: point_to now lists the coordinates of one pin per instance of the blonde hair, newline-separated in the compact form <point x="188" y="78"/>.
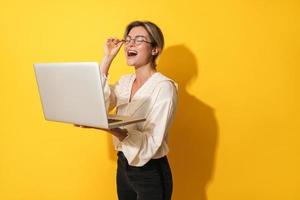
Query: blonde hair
<point x="156" y="35"/>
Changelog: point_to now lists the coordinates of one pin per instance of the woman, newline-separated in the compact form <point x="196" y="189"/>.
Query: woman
<point x="143" y="171"/>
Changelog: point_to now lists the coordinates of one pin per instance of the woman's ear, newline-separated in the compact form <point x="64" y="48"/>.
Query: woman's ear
<point x="155" y="51"/>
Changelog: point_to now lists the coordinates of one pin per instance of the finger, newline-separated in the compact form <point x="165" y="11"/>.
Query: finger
<point x="119" y="44"/>
<point x="117" y="130"/>
<point x="109" y="40"/>
<point x="116" y="40"/>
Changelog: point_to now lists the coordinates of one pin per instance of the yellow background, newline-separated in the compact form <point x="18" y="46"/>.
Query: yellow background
<point x="236" y="132"/>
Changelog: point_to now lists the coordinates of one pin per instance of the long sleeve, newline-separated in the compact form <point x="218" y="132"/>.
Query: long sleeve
<point x="140" y="146"/>
<point x="109" y="92"/>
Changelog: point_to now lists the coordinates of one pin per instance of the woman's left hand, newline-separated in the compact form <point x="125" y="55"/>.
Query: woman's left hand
<point x="120" y="133"/>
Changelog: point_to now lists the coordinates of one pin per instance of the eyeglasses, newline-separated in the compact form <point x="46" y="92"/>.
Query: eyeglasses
<point x="138" y="40"/>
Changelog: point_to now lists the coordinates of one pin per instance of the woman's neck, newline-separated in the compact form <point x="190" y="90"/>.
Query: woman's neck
<point x="143" y="73"/>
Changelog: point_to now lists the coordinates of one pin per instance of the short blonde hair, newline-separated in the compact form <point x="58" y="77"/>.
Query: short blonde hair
<point x="156" y="35"/>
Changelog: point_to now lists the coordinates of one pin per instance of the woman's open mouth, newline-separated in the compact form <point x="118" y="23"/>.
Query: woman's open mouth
<point x="131" y="53"/>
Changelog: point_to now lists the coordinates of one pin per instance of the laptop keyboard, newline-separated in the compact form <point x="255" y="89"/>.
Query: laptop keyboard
<point x="113" y="120"/>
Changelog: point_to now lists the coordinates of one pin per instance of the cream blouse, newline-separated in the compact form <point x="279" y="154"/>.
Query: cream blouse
<point x="156" y="101"/>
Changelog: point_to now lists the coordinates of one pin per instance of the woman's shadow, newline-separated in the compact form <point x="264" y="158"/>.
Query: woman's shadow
<point x="194" y="132"/>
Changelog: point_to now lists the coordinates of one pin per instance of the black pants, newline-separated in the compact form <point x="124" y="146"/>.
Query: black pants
<point x="153" y="181"/>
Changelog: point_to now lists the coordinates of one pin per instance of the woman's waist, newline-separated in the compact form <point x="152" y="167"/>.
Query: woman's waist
<point x="154" y="162"/>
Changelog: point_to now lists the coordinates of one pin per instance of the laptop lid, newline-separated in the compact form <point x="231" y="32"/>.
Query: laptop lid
<point x="72" y="93"/>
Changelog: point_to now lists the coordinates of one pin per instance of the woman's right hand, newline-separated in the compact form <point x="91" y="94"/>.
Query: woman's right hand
<point x="112" y="47"/>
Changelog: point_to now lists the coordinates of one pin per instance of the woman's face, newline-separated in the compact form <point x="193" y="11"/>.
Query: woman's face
<point x="138" y="50"/>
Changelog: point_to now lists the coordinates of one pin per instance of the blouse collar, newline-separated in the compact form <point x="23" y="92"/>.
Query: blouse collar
<point x="143" y="94"/>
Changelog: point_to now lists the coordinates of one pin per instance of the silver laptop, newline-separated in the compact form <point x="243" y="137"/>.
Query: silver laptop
<point x="73" y="93"/>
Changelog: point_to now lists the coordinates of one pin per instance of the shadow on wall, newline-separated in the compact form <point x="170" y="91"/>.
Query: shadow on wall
<point x="194" y="132"/>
